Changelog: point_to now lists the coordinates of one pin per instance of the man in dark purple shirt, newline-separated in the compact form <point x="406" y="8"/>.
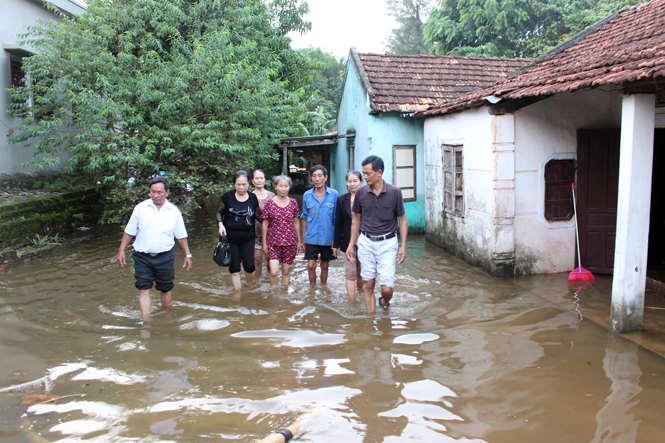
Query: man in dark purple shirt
<point x="377" y="208"/>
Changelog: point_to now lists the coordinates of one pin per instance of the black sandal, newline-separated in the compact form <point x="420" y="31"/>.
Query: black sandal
<point x="386" y="306"/>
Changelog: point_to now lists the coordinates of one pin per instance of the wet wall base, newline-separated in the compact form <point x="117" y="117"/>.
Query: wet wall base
<point x="497" y="265"/>
<point x="22" y="220"/>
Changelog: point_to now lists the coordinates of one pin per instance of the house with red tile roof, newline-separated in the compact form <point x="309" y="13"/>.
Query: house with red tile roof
<point x="15" y="16"/>
<point x="381" y="92"/>
<point x="501" y="161"/>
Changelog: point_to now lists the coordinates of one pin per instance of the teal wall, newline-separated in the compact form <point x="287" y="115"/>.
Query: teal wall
<point x="375" y="135"/>
<point x="352" y="116"/>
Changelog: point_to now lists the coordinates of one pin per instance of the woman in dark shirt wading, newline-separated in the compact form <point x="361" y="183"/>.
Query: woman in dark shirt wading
<point x="236" y="214"/>
<point x="354" y="180"/>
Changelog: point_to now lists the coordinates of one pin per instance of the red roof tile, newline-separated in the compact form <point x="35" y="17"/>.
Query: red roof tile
<point x="407" y="83"/>
<point x="624" y="48"/>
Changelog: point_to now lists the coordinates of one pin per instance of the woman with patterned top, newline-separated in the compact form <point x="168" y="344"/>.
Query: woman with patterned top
<point x="259" y="182"/>
<point x="236" y="214"/>
<point x="281" y="230"/>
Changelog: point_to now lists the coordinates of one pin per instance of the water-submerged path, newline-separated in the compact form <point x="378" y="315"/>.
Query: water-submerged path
<point x="459" y="357"/>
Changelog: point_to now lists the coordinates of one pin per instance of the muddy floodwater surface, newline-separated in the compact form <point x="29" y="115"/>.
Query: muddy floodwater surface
<point x="460" y="356"/>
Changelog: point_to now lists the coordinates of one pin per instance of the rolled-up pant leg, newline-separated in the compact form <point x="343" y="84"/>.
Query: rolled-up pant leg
<point x="378" y="259"/>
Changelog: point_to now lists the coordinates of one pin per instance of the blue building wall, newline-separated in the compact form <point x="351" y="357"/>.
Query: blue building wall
<point x="376" y="135"/>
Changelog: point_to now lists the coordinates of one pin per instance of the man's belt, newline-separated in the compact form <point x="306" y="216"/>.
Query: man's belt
<point x="154" y="255"/>
<point x="380" y="237"/>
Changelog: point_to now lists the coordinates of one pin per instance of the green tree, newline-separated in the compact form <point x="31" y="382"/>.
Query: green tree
<point x="480" y="27"/>
<point x="325" y="90"/>
<point x="318" y="121"/>
<point x="558" y="20"/>
<point x="134" y="87"/>
<point x="409" y="36"/>
<point x="580" y="14"/>
<point x="510" y="28"/>
<point x="287" y="16"/>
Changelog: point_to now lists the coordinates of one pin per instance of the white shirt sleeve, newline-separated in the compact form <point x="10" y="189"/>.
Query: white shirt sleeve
<point x="180" y="230"/>
<point x="132" y="227"/>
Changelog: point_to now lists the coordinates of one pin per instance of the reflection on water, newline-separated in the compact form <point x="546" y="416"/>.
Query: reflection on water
<point x="460" y="357"/>
<point x="621" y="366"/>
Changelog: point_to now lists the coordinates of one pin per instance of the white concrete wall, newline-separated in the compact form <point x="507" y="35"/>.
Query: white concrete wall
<point x="504" y="160"/>
<point x="543" y="131"/>
<point x="469" y="237"/>
<point x="15" y="16"/>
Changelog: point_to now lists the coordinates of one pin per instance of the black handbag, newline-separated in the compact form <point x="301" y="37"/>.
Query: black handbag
<point x="222" y="253"/>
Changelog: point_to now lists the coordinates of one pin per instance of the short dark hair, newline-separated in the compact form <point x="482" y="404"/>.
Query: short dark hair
<point x="162" y="180"/>
<point x="240" y="174"/>
<point x="376" y="162"/>
<point x="317" y="168"/>
<point x="356" y="173"/>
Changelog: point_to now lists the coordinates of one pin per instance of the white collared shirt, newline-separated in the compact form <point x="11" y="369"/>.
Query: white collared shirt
<point x="155" y="230"/>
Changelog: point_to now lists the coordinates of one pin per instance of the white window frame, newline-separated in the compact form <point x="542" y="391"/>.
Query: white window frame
<point x="397" y="167"/>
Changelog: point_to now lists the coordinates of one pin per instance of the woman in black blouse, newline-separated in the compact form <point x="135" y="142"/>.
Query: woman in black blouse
<point x="342" y="237"/>
<point x="236" y="213"/>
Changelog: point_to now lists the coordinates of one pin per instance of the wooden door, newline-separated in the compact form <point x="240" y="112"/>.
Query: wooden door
<point x="597" y="193"/>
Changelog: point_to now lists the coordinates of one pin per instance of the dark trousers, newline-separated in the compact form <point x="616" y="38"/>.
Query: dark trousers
<point x="242" y="252"/>
<point x="160" y="269"/>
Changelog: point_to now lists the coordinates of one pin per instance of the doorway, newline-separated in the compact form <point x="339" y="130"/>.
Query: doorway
<point x="598" y="189"/>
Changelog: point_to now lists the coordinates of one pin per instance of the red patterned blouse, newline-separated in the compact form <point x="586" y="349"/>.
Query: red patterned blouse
<point x="281" y="231"/>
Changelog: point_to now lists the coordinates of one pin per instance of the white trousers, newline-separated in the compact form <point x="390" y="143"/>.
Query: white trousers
<point x="378" y="258"/>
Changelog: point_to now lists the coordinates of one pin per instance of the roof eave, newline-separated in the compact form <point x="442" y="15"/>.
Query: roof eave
<point x="364" y="79"/>
<point x="69" y="7"/>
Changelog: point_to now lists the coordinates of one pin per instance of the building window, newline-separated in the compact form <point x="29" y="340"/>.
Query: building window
<point x="19" y="79"/>
<point x="453" y="180"/>
<point x="17" y="75"/>
<point x="351" y="151"/>
<point x="404" y="170"/>
<point x="559" y="175"/>
<point x="16" y="71"/>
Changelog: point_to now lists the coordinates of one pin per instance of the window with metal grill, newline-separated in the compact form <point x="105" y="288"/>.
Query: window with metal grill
<point x="16" y="71"/>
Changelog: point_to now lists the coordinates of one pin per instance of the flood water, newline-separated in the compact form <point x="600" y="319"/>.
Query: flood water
<point x="460" y="356"/>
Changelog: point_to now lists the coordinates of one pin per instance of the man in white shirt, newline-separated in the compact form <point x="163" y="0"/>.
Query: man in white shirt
<point x="155" y="223"/>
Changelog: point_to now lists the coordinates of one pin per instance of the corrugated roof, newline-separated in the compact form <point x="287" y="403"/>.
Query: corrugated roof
<point x="407" y="83"/>
<point x="624" y="48"/>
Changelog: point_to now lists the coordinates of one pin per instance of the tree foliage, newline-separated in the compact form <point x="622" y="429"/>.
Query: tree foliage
<point x="194" y="88"/>
<point x="409" y="36"/>
<point x="510" y="28"/>
<point x="325" y="90"/>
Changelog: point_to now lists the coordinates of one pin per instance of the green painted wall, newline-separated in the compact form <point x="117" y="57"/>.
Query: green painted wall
<point x="376" y="135"/>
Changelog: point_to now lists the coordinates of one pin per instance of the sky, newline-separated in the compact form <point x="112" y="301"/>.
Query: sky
<point x="338" y="25"/>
